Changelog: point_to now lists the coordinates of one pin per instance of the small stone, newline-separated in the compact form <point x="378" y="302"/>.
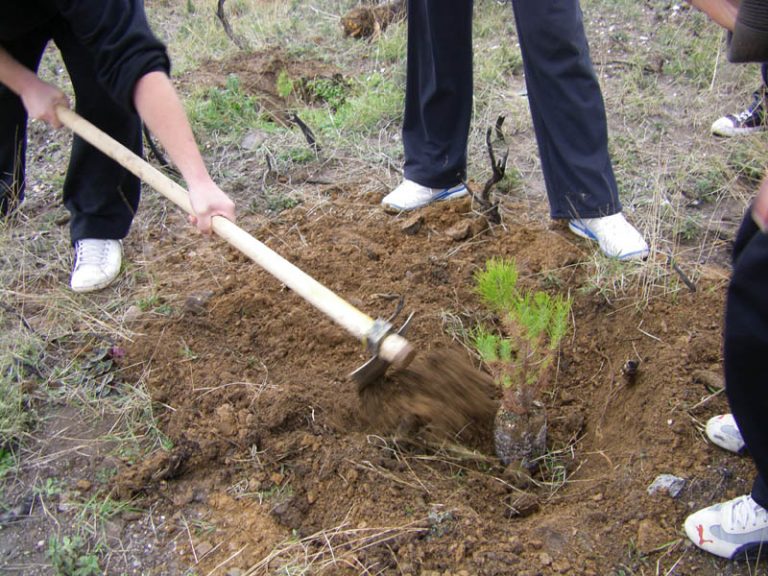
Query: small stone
<point x="132" y="314"/>
<point x="196" y="303"/>
<point x="253" y="139"/>
<point x="545" y="559"/>
<point x="277" y="478"/>
<point x="412" y="225"/>
<point x="515" y="546"/>
<point x="203" y="548"/>
<point x="460" y="231"/>
<point x="667" y="484"/>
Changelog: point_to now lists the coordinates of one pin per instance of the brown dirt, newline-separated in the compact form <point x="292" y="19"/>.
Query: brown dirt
<point x="271" y="436"/>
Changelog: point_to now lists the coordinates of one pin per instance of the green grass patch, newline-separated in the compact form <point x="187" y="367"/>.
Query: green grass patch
<point x="224" y="111"/>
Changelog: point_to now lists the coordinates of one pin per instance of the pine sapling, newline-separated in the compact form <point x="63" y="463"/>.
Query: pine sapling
<point x="520" y="353"/>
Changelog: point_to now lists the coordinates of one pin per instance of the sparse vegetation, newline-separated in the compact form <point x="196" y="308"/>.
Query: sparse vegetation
<point x="70" y="557"/>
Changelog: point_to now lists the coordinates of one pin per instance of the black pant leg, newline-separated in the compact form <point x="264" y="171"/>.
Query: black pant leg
<point x="746" y="347"/>
<point x="101" y="196"/>
<point x="567" y="109"/>
<point x="438" y="95"/>
<point x="13" y="124"/>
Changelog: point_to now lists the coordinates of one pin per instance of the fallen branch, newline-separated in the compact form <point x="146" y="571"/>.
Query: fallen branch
<point x="489" y="208"/>
<point x="307" y="131"/>
<point x="239" y="42"/>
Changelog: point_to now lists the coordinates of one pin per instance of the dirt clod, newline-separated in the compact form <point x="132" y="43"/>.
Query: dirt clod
<point x="441" y="392"/>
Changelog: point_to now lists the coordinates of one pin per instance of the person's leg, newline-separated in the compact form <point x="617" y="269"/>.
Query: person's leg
<point x="438" y="96"/>
<point x="13" y="124"/>
<point x="739" y="526"/>
<point x="567" y="109"/>
<point x="746" y="346"/>
<point x="101" y="196"/>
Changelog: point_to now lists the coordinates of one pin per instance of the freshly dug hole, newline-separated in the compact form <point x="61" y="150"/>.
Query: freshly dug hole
<point x="440" y="393"/>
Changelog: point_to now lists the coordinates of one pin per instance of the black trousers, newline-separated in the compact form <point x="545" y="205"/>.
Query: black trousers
<point x="101" y="196"/>
<point x="565" y="100"/>
<point x="746" y="348"/>
<point x="438" y="91"/>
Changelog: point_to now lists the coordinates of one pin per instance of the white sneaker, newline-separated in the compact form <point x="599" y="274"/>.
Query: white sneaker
<point x="723" y="431"/>
<point x="97" y="264"/>
<point x="617" y="237"/>
<point x="409" y="196"/>
<point x="730" y="528"/>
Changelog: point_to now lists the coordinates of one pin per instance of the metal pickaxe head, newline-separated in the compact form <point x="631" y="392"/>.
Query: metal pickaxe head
<point x="381" y="336"/>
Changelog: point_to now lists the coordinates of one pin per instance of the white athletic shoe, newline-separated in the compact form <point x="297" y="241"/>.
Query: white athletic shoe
<point x="617" y="237"/>
<point x="97" y="264"/>
<point x="723" y="431"/>
<point x="409" y="196"/>
<point x="729" y="529"/>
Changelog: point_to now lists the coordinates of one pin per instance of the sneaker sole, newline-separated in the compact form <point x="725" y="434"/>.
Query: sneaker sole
<point x="731" y="132"/>
<point x="392" y="209"/>
<point x="95" y="287"/>
<point x="586" y="234"/>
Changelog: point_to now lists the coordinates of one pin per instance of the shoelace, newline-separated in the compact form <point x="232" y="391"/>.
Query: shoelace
<point x="745" y="513"/>
<point x="89" y="253"/>
<point x="756" y="105"/>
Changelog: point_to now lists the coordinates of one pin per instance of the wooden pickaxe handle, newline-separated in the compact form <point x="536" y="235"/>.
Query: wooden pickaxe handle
<point x="393" y="348"/>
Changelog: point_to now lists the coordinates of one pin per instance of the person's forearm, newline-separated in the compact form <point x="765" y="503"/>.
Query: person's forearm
<point x="40" y="99"/>
<point x="723" y="12"/>
<point x="14" y="75"/>
<point x="158" y="105"/>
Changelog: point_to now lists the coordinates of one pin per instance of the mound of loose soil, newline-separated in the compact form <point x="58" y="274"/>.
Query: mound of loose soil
<point x="277" y="454"/>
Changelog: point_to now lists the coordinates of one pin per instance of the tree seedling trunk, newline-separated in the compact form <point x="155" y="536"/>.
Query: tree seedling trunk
<point x="520" y="438"/>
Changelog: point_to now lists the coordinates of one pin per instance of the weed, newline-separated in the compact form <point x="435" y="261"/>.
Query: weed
<point x="93" y="513"/>
<point x="284" y="84"/>
<point x="748" y="163"/>
<point x="15" y="413"/>
<point x="391" y="47"/>
<point x="373" y="101"/>
<point x="49" y="488"/>
<point x="155" y="304"/>
<point x="223" y="111"/>
<point x="70" y="556"/>
<point x="297" y="155"/>
<point x="331" y="91"/>
<point x="280" y="202"/>
<point x="7" y="462"/>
